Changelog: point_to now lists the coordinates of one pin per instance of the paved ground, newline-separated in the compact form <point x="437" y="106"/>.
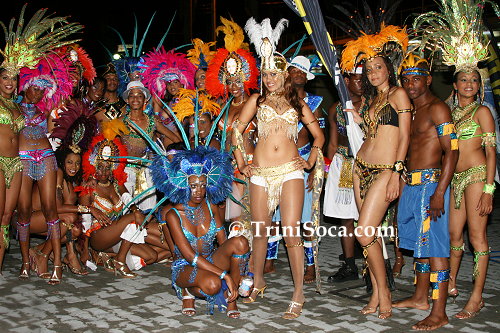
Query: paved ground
<point x="102" y="303"/>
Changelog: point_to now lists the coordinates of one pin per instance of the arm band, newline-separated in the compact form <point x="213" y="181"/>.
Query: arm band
<point x="488" y="139"/>
<point x="489" y="188"/>
<point x="403" y="111"/>
<point x="221" y="276"/>
<point x="312" y="121"/>
<point x="448" y="129"/>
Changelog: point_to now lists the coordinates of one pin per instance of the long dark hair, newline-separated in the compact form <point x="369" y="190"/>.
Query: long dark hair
<point x="369" y="90"/>
<point x="291" y="96"/>
<point x="61" y="153"/>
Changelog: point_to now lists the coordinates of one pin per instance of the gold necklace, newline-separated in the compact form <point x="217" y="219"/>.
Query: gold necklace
<point x="281" y="92"/>
<point x="106" y="184"/>
<point x="233" y="103"/>
<point x="373" y="124"/>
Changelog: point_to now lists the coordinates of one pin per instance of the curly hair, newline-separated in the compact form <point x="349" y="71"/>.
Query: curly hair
<point x="371" y="91"/>
<point x="291" y="96"/>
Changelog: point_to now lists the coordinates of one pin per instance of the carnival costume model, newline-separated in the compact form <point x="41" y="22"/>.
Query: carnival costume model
<point x="46" y="77"/>
<point x="234" y="61"/>
<point x="303" y="64"/>
<point x="81" y="62"/>
<point x="458" y="32"/>
<point x="234" y="65"/>
<point x="200" y="56"/>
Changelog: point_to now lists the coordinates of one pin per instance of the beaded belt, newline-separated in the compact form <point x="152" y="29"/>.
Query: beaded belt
<point x="423" y="176"/>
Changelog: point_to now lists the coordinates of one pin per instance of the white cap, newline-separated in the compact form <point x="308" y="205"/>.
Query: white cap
<point x="303" y="64"/>
<point x="136" y="85"/>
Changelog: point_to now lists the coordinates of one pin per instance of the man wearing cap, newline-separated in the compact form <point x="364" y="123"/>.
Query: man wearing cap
<point x="299" y="71"/>
<point x="339" y="194"/>
<point x="114" y="103"/>
<point x="424" y="203"/>
<point x="138" y="175"/>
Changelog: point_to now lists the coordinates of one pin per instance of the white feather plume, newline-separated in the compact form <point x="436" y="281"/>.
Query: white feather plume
<point x="257" y="32"/>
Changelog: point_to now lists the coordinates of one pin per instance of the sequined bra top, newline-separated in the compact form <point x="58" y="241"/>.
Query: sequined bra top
<point x="113" y="211"/>
<point x="207" y="240"/>
<point x="6" y="105"/>
<point x="271" y="122"/>
<point x="136" y="145"/>
<point x="464" y="122"/>
<point x="35" y="124"/>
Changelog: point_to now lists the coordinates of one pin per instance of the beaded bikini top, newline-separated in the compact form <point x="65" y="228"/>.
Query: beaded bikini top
<point x="6" y="115"/>
<point x="271" y="122"/>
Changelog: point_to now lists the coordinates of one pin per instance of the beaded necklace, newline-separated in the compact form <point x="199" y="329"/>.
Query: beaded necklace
<point x="194" y="214"/>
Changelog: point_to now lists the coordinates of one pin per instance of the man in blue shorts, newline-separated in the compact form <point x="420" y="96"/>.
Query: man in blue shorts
<point x="424" y="204"/>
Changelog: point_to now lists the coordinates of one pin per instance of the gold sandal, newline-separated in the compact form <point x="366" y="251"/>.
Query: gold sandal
<point x="257" y="291"/>
<point x="289" y="313"/>
<point x="25" y="272"/>
<point x="464" y="314"/>
<point x="120" y="270"/>
<point x="54" y="279"/>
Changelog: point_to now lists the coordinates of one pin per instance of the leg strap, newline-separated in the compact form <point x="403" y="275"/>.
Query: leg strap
<point x="53" y="229"/>
<point x="272" y="247"/>
<point x="478" y="254"/>
<point x="23" y="230"/>
<point x="309" y="252"/>
<point x="365" y="253"/>
<point x="6" y="239"/>
<point x="242" y="262"/>
<point x="421" y="267"/>
<point x="436" y="278"/>
<point x="458" y="248"/>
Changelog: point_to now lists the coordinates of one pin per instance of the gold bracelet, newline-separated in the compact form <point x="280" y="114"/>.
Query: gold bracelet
<point x="83" y="209"/>
<point x="316" y="147"/>
<point x="312" y="121"/>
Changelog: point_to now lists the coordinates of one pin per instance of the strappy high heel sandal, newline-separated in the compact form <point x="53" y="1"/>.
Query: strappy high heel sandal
<point x="293" y="311"/>
<point x="77" y="271"/>
<point x="187" y="311"/>
<point x="453" y="293"/>
<point x="54" y="279"/>
<point x="33" y="252"/>
<point x="464" y="314"/>
<point x="25" y="271"/>
<point x="399" y="263"/>
<point x="120" y="270"/>
<point x="257" y="291"/>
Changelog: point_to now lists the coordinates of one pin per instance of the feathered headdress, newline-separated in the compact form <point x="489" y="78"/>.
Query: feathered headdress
<point x="80" y="60"/>
<point x="391" y="42"/>
<point x="233" y="61"/>
<point x="25" y="45"/>
<point x="414" y="65"/>
<point x="160" y="67"/>
<point x="76" y="126"/>
<point x="201" y="55"/>
<point x="107" y="150"/>
<point x="51" y="73"/>
<point x="457" y="31"/>
<point x="190" y="102"/>
<point x="265" y="39"/>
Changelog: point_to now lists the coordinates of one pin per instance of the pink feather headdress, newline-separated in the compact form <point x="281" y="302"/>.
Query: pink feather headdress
<point x="161" y="67"/>
<point x="51" y="73"/>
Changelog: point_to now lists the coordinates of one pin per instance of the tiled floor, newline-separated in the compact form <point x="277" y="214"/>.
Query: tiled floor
<point x="100" y="302"/>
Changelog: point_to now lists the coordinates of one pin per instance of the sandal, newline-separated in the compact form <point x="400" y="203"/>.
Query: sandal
<point x="398" y="266"/>
<point x="25" y="272"/>
<point x="77" y="271"/>
<point x="33" y="253"/>
<point x="464" y="314"/>
<point x="54" y="279"/>
<point x="121" y="270"/>
<point x="368" y="309"/>
<point x="289" y="313"/>
<point x="235" y="314"/>
<point x="257" y="291"/>
<point x="453" y="293"/>
<point x="187" y="311"/>
<point x="384" y="314"/>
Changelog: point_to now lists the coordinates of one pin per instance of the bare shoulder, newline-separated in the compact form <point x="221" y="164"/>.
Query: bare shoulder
<point x="397" y="92"/>
<point x="253" y="98"/>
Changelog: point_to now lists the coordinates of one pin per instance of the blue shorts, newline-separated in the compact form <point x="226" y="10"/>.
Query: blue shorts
<point x="416" y="230"/>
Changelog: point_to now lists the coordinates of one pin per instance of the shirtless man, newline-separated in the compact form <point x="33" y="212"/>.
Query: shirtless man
<point x="424" y="204"/>
<point x="114" y="103"/>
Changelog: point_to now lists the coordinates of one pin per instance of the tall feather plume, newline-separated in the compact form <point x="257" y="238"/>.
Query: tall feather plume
<point x="234" y="35"/>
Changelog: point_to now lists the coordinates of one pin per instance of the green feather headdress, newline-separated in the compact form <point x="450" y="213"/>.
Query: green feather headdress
<point x="458" y="31"/>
